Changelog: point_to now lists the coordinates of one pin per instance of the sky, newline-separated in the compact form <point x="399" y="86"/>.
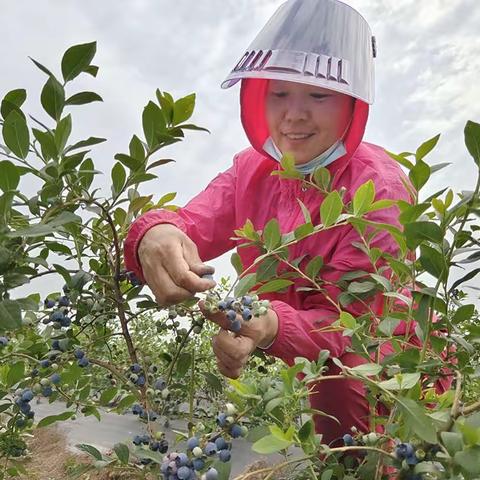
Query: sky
<point x="426" y="75"/>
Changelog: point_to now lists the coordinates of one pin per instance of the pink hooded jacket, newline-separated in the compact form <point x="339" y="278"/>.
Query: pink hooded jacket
<point x="247" y="190"/>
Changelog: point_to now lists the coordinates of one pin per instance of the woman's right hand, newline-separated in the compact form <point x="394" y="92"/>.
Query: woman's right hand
<point x="171" y="265"/>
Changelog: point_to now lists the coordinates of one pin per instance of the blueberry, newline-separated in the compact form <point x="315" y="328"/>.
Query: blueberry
<point x="20" y="422"/>
<point x="221" y="419"/>
<point x="247" y="300"/>
<point x="140" y="380"/>
<point x="221" y="443"/>
<point x="184" y="473"/>
<point x="198" y="464"/>
<point x="246" y="314"/>
<point x="236" y="326"/>
<point x="55" y="378"/>
<point x="3" y="341"/>
<point x="65" y="321"/>
<point x="137" y="409"/>
<point x="211" y="474"/>
<point x="163" y="446"/>
<point x="210" y="449"/>
<point x="181" y="460"/>
<point x="348" y="440"/>
<point x="192" y="442"/>
<point x="231" y="315"/>
<point x="224" y="455"/>
<point x="83" y="362"/>
<point x="63" y="301"/>
<point x="56" y="316"/>
<point x="34" y="372"/>
<point x="145" y="439"/>
<point x="30" y="414"/>
<point x="25" y="408"/>
<point x="79" y="353"/>
<point x="44" y="363"/>
<point x="49" y="303"/>
<point x="160" y="384"/>
<point x="404" y="450"/>
<point x="136" y="368"/>
<point x="236" y="431"/>
<point x="412" y="459"/>
<point x="137" y="440"/>
<point x="55" y="345"/>
<point x="27" y="396"/>
<point x="154" y="446"/>
<point x="47" y="391"/>
<point x="222" y="305"/>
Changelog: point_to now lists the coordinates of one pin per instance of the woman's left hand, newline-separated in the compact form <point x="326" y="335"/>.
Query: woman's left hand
<point x="233" y="350"/>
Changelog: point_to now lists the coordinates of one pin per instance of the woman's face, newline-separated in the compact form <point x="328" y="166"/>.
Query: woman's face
<point x="305" y="120"/>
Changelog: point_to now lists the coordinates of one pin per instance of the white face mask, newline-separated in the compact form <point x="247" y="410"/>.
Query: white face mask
<point x="336" y="151"/>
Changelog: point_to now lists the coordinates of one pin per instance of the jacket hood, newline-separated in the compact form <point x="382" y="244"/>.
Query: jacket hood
<point x="252" y="104"/>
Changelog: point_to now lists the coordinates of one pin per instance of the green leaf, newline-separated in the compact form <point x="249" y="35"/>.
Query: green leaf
<point x="76" y="59"/>
<point x="168" y="197"/>
<point x="288" y="164"/>
<point x="245" y="284"/>
<point x="401" y="160"/>
<point x="92" y="451"/>
<point x="16" y="372"/>
<point x="314" y="266"/>
<point x="214" y="381"/>
<point x="388" y="326"/>
<point x="62" y="132"/>
<point x="118" y="178"/>
<point x="433" y="262"/>
<point x="303" y="231"/>
<point x="53" y="98"/>
<point x="330" y="209"/>
<point x="410" y="213"/>
<point x="166" y="103"/>
<point x="472" y="140"/>
<point x="361" y="287"/>
<point x="452" y="441"/>
<point x="136" y="148"/>
<point x="418" y="232"/>
<point x="424" y="149"/>
<point x="132" y="163"/>
<point x="125" y="402"/>
<point x="274" y="286"/>
<point x="9" y="178"/>
<point x="41" y="67"/>
<point x="236" y="262"/>
<point x="47" y="143"/>
<point x="305" y="211"/>
<point x="108" y="395"/>
<point x="347" y="320"/>
<point x="86" y="173"/>
<point x="13" y="100"/>
<point x="42" y="229"/>
<point x="86" y="143"/>
<point x="183" y="363"/>
<point x="122" y="452"/>
<point x="183" y="109"/>
<point x="322" y="178"/>
<point x="465" y="278"/>
<point x="271" y="235"/>
<point x="153" y="122"/>
<point x="465" y="312"/>
<point x="91" y="70"/>
<point x="417" y="420"/>
<point x="363" y="198"/>
<point x="306" y="431"/>
<point x="160" y="162"/>
<point x="270" y="444"/>
<point x="267" y="269"/>
<point x="367" y="369"/>
<point x="10" y="315"/>
<point x="83" y="98"/>
<point x="15" y="134"/>
<point x="401" y="381"/>
<point x="468" y="459"/>
<point x="419" y="174"/>
<point x="45" y="421"/>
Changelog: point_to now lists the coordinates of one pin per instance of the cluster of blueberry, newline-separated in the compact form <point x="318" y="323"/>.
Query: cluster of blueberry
<point x="180" y="466"/>
<point x="157" y="444"/>
<point x="137" y="376"/>
<point x="82" y="360"/>
<point x="22" y="400"/>
<point x="406" y="452"/>
<point x="3" y="341"/>
<point x="59" y="317"/>
<point x="239" y="309"/>
<point x="144" y="414"/>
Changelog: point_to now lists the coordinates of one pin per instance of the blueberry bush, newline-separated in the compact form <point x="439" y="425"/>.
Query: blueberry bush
<point x="103" y="343"/>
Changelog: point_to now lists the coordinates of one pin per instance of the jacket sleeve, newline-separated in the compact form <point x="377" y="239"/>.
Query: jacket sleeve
<point x="300" y="330"/>
<point x="208" y="219"/>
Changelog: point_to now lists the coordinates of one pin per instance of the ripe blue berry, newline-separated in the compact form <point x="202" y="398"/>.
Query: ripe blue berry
<point x="135" y="368"/>
<point x="192" y="442"/>
<point x="55" y="378"/>
<point x="55" y="345"/>
<point x="47" y="391"/>
<point x="65" y="321"/>
<point x="25" y="408"/>
<point x="181" y="460"/>
<point x="224" y="455"/>
<point x="404" y="450"/>
<point x="184" y="473"/>
<point x="137" y="440"/>
<point x="160" y="384"/>
<point x="246" y="314"/>
<point x="63" y="301"/>
<point x="221" y="419"/>
<point x="221" y="443"/>
<point x="236" y="326"/>
<point x="210" y="449"/>
<point x="198" y="464"/>
<point x="79" y="353"/>
<point x="348" y="440"/>
<point x="44" y="363"/>
<point x="247" y="300"/>
<point x="222" y="305"/>
<point x="83" y="362"/>
<point x="49" y="303"/>
<point x="137" y="409"/>
<point x="236" y="431"/>
<point x="211" y="474"/>
<point x="27" y="396"/>
<point x="56" y="316"/>
<point x="231" y="315"/>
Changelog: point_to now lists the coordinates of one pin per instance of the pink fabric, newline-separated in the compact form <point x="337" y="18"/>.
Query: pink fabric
<point x="247" y="190"/>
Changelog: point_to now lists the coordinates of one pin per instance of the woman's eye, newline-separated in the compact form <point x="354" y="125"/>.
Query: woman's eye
<point x="319" y="96"/>
<point x="279" y="94"/>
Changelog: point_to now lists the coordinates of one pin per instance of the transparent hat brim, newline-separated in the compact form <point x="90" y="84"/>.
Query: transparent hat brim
<point x="291" y="77"/>
<point x="318" y="42"/>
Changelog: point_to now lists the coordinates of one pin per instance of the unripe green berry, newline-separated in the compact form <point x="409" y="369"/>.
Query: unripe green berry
<point x="230" y="409"/>
<point x="197" y="452"/>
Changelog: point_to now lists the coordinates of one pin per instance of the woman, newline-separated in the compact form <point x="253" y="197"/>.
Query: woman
<point x="307" y="82"/>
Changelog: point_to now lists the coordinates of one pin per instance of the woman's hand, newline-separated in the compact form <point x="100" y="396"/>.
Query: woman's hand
<point x="171" y="265"/>
<point x="233" y="350"/>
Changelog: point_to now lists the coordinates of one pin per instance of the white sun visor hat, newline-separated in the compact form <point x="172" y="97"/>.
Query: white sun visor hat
<point x="324" y="43"/>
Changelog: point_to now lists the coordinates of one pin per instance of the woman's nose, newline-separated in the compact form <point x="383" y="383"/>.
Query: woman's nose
<point x="296" y="109"/>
